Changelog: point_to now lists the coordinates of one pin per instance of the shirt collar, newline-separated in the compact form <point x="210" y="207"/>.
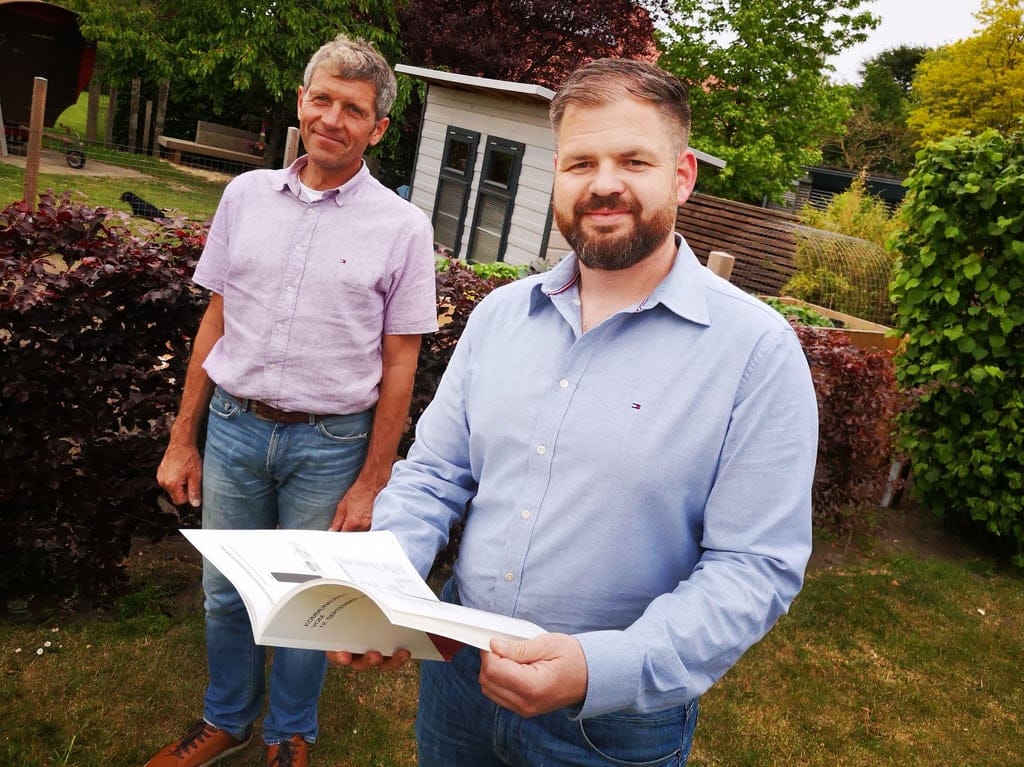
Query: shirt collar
<point x="288" y="178"/>
<point x="681" y="292"/>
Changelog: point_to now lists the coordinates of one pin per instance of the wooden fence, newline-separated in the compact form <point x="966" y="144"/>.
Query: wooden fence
<point x="761" y="240"/>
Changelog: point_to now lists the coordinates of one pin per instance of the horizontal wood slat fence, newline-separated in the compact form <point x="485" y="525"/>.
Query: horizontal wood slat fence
<point x="761" y="240"/>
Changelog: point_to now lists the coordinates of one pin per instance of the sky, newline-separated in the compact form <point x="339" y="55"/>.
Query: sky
<point x="908" y="22"/>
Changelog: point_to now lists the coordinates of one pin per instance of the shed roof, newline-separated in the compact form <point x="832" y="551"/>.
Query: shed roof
<point x="520" y="91"/>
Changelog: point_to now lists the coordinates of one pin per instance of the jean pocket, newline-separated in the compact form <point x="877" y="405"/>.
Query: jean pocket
<point x="222" y="405"/>
<point x="348" y="429"/>
<point x="639" y="740"/>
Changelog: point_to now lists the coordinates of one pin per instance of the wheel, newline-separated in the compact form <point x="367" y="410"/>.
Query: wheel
<point x="75" y="158"/>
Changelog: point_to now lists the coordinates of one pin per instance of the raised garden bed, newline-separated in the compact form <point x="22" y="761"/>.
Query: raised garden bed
<point x="862" y="333"/>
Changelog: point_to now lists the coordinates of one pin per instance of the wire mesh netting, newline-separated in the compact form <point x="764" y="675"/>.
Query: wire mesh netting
<point x="842" y="273"/>
<point x="120" y="177"/>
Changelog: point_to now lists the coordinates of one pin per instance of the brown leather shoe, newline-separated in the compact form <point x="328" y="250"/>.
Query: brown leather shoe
<point x="201" y="746"/>
<point x="290" y="753"/>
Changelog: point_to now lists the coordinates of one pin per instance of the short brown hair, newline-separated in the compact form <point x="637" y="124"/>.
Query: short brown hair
<point x="606" y="80"/>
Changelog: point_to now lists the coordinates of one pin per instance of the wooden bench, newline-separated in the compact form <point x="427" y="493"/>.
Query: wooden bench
<point x="219" y="142"/>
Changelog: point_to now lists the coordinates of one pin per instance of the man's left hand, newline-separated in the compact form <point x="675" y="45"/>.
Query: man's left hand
<point x="355" y="509"/>
<point x="534" y="676"/>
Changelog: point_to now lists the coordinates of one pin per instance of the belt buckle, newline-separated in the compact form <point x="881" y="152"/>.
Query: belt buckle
<point x="266" y="412"/>
<point x="261" y="410"/>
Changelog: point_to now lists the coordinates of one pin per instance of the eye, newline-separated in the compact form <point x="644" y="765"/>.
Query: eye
<point x="320" y="99"/>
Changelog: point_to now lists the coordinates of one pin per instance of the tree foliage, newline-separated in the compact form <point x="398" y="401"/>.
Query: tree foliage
<point x="760" y="97"/>
<point x="246" y="54"/>
<point x="534" y="41"/>
<point x="874" y="138"/>
<point x="976" y="83"/>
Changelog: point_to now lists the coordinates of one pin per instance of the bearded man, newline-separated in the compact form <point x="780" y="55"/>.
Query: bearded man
<point x="629" y="442"/>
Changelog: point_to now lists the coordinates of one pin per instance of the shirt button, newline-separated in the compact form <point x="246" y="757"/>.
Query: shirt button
<point x="509" y="577"/>
<point x="563" y="383"/>
<point x="541" y="450"/>
<point x="525" y="513"/>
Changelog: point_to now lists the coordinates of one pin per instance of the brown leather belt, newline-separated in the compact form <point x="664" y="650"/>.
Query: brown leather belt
<point x="270" y="413"/>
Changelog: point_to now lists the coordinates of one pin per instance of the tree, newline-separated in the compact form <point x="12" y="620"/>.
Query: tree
<point x="249" y="54"/>
<point x="760" y="97"/>
<point x="874" y="138"/>
<point x="533" y="41"/>
<point x="976" y="83"/>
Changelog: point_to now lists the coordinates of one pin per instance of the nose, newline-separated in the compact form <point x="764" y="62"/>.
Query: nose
<point x="333" y="116"/>
<point x="607" y="179"/>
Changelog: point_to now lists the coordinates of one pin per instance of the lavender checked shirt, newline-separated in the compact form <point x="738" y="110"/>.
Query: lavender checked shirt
<point x="310" y="288"/>
<point x="645" y="486"/>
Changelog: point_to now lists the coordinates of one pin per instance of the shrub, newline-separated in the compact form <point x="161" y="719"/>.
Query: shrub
<point x="95" y="334"/>
<point x="959" y="292"/>
<point x="96" y="326"/>
<point x="841" y="256"/>
<point x="857" y="402"/>
<point x="460" y="287"/>
<point x="92" y="348"/>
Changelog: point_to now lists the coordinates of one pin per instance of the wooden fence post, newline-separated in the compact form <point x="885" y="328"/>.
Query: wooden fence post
<point x="3" y="134"/>
<point x="161" y="113"/>
<point x="133" y="114"/>
<point x="291" y="146"/>
<point x="721" y="263"/>
<point x="144" y="143"/>
<point x="108" y="133"/>
<point x="92" y="111"/>
<point x="35" y="141"/>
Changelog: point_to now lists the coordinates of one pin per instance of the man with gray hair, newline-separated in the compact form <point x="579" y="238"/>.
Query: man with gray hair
<point x="629" y="442"/>
<point x="321" y="283"/>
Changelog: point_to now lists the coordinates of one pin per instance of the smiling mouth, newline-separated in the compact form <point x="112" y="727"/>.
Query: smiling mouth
<point x="328" y="139"/>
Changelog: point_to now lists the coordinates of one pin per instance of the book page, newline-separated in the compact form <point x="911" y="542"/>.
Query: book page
<point x="343" y="591"/>
<point x="265" y="565"/>
<point x="332" y="615"/>
<point x="465" y="624"/>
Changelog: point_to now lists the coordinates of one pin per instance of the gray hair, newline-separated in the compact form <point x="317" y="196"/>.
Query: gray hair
<point x="604" y="81"/>
<point x="355" y="59"/>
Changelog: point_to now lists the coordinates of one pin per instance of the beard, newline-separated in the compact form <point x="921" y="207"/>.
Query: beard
<point x="606" y="250"/>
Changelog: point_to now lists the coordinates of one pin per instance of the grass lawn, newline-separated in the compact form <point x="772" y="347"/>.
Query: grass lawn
<point x="903" y="649"/>
<point x="107" y="173"/>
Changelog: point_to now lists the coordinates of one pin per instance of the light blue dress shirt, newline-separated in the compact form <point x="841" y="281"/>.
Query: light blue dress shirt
<point x="645" y="486"/>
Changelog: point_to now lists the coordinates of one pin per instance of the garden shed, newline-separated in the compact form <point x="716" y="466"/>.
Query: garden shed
<point x="485" y="167"/>
<point x="39" y="39"/>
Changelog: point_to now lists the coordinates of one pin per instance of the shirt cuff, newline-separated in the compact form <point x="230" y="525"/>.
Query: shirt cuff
<point x="614" y="667"/>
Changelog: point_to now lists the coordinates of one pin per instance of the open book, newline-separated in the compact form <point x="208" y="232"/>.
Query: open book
<point x="322" y="590"/>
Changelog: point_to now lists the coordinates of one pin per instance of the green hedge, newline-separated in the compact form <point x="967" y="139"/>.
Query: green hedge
<point x="959" y="293"/>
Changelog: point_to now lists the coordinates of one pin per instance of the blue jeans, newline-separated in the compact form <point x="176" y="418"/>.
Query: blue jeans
<point x="456" y="726"/>
<point x="262" y="475"/>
